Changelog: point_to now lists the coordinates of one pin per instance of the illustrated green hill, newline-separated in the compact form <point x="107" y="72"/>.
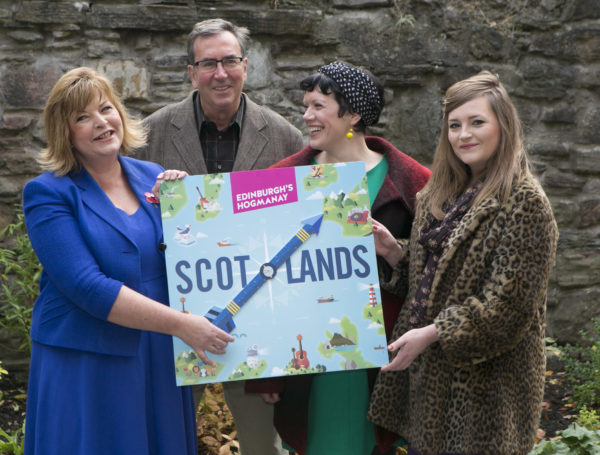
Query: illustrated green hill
<point x="338" y="344"/>
<point x="173" y="197"/>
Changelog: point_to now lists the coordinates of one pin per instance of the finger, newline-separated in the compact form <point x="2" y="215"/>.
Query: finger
<point x="171" y="174"/>
<point x="389" y="367"/>
<point x="396" y="345"/>
<point x="272" y="398"/>
<point x="215" y="350"/>
<point x="225" y="337"/>
<point x="219" y="333"/>
<point x="268" y="398"/>
<point x="156" y="189"/>
<point x="216" y="345"/>
<point x="205" y="358"/>
<point x="220" y="344"/>
<point x="395" y="365"/>
<point x="176" y="174"/>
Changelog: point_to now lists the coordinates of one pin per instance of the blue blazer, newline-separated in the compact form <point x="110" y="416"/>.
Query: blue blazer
<point x="87" y="254"/>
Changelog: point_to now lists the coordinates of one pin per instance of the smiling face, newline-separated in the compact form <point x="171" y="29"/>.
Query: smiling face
<point x="220" y="91"/>
<point x="474" y="134"/>
<point x="97" y="131"/>
<point x="326" y="128"/>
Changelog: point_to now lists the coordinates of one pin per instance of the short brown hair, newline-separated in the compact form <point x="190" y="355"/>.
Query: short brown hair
<point x="211" y="27"/>
<point x="71" y="94"/>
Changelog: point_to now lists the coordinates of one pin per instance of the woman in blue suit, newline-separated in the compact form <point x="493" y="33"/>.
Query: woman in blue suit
<point x="102" y="375"/>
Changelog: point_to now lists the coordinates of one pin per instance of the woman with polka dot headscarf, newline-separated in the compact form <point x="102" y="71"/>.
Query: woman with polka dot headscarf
<point x="326" y="413"/>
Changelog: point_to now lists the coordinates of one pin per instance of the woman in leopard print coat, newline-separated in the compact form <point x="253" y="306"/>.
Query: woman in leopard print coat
<point x="467" y="374"/>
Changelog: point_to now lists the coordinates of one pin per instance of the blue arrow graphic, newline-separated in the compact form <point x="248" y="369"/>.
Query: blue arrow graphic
<point x="223" y="317"/>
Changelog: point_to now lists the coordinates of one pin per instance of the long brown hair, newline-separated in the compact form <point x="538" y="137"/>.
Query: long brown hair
<point x="71" y="94"/>
<point x="509" y="164"/>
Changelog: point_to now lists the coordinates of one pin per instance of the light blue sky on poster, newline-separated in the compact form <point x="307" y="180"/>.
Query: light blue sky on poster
<point x="279" y="311"/>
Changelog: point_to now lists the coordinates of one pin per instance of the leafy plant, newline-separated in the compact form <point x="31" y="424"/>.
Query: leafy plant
<point x="575" y="440"/>
<point x="588" y="419"/>
<point x="20" y="272"/>
<point x="12" y="444"/>
<point x="582" y="363"/>
<point x="403" y="18"/>
<point x="2" y="373"/>
<point x="406" y="19"/>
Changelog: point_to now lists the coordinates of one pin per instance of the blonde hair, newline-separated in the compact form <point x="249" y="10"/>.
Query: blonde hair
<point x="508" y="165"/>
<point x="70" y="95"/>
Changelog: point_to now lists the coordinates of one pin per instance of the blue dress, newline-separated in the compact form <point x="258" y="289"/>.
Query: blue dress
<point x="81" y="402"/>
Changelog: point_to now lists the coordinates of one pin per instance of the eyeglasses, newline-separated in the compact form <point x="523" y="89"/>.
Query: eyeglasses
<point x="209" y="65"/>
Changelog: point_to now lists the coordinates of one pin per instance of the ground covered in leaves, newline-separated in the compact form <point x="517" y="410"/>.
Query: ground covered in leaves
<point x="216" y="429"/>
<point x="557" y="412"/>
<point x="12" y="403"/>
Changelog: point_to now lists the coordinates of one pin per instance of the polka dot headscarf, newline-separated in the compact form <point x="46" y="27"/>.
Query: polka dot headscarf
<point x="358" y="88"/>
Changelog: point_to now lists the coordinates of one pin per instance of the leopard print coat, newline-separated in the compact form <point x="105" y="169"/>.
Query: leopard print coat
<point x="479" y="389"/>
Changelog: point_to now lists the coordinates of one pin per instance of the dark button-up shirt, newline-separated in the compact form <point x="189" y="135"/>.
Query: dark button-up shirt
<point x="219" y="147"/>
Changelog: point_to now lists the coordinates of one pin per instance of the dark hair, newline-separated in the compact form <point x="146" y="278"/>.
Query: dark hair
<point x="328" y="86"/>
<point x="211" y="27"/>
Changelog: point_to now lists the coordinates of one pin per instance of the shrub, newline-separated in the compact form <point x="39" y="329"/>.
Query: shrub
<point x="575" y="440"/>
<point x="582" y="363"/>
<point x="12" y="444"/>
<point x="588" y="419"/>
<point x="20" y="271"/>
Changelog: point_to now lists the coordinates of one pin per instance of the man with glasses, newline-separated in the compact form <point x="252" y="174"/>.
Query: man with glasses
<point x="218" y="128"/>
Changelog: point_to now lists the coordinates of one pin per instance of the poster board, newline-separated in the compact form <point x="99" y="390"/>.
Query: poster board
<point x="283" y="260"/>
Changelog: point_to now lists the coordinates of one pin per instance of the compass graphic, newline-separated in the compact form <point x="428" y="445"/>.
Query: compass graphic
<point x="223" y="317"/>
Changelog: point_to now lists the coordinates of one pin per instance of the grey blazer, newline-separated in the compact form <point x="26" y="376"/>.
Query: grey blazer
<point x="174" y="143"/>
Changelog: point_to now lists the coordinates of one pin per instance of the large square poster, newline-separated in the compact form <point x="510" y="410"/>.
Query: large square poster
<point x="283" y="260"/>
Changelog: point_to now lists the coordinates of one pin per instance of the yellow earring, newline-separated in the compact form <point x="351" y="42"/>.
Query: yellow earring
<point x="349" y="134"/>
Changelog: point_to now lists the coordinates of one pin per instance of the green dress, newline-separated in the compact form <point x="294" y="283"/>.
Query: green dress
<point x="337" y="407"/>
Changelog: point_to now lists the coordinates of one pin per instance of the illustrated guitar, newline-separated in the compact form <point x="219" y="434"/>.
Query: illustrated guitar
<point x="301" y="358"/>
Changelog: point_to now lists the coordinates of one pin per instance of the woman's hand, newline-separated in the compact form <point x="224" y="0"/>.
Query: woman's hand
<point x="134" y="310"/>
<point x="171" y="174"/>
<point x="409" y="346"/>
<point x="271" y="397"/>
<point x="202" y="336"/>
<point x="386" y="245"/>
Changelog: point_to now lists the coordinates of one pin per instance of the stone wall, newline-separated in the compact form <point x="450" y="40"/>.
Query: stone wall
<point x="547" y="53"/>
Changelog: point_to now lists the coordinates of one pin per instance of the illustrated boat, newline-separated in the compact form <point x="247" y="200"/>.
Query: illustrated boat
<point x="378" y="347"/>
<point x="325" y="299"/>
<point x="225" y="242"/>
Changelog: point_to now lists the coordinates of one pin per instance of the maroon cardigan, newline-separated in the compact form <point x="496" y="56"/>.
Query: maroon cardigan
<point x="394" y="207"/>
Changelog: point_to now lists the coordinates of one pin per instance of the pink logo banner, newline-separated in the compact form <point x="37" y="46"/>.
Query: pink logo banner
<point x="253" y="190"/>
